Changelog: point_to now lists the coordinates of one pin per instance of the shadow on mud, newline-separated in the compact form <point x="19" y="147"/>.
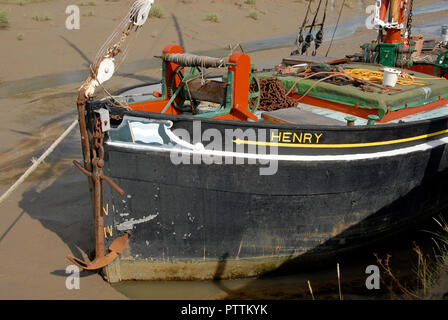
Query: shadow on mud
<point x="58" y="198"/>
<point x="289" y="281"/>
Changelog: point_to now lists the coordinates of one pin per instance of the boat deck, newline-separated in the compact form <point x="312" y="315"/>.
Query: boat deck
<point x="329" y="103"/>
<point x="332" y="117"/>
<point x="427" y="93"/>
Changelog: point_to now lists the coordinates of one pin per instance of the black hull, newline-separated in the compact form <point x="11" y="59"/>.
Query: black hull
<point x="361" y="184"/>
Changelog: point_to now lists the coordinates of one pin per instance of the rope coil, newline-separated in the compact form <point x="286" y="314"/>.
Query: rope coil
<point x="192" y="60"/>
<point x="404" y="79"/>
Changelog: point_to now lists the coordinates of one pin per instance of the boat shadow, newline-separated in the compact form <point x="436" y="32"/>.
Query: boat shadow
<point x="59" y="199"/>
<point x="319" y="265"/>
<point x="405" y="229"/>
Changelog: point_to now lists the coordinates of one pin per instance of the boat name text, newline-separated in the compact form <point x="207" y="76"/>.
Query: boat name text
<point x="296" y="137"/>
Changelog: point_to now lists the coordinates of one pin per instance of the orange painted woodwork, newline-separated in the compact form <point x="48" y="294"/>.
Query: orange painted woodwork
<point x="426" y="69"/>
<point x="170" y="67"/>
<point x="395" y="12"/>
<point x="395" y="15"/>
<point x="240" y="66"/>
<point x="393" y="36"/>
<point x="383" y="9"/>
<point x="241" y="76"/>
<point x="394" y="115"/>
<point x="154" y="106"/>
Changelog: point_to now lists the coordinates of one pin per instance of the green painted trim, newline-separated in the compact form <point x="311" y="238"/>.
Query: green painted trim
<point x="397" y="108"/>
<point x="441" y="64"/>
<point x="256" y="95"/>
<point x="171" y="99"/>
<point x="372" y="119"/>
<point x="330" y="98"/>
<point x="415" y="104"/>
<point x="164" y="88"/>
<point x="388" y="54"/>
<point x="149" y="100"/>
<point x="211" y="114"/>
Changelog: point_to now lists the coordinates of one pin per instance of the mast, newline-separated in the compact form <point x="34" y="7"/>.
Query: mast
<point x="397" y="9"/>
<point x="395" y="22"/>
<point x="394" y="47"/>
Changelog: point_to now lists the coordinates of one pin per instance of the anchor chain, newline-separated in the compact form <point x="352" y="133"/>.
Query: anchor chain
<point x="98" y="161"/>
<point x="97" y="150"/>
<point x="409" y="22"/>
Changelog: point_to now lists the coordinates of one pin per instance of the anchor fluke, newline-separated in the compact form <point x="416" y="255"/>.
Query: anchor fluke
<point x="99" y="262"/>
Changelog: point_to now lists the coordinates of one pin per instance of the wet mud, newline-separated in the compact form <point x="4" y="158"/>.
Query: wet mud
<point x="50" y="215"/>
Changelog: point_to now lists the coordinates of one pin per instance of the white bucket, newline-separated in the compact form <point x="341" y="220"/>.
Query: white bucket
<point x="444" y="33"/>
<point x="390" y="77"/>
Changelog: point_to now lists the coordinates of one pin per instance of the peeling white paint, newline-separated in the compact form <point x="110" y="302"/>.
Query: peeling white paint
<point x="190" y="217"/>
<point x="129" y="224"/>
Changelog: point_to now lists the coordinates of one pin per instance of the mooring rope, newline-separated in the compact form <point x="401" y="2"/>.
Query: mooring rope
<point x="38" y="161"/>
<point x="111" y="47"/>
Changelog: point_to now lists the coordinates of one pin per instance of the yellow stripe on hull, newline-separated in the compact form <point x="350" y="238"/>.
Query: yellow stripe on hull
<point x="343" y="145"/>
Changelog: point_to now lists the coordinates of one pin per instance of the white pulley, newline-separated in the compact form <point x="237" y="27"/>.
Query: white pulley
<point x="143" y="11"/>
<point x="105" y="70"/>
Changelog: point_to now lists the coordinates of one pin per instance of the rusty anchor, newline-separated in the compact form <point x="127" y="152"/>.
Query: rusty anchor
<point x="92" y="163"/>
<point x="102" y="259"/>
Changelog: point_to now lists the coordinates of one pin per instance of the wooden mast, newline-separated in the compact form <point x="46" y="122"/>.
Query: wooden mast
<point x="396" y="9"/>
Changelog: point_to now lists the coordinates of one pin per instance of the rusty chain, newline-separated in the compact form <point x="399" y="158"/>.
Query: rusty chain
<point x="409" y="22"/>
<point x="273" y="96"/>
<point x="115" y="117"/>
<point x="98" y="138"/>
<point x="98" y="161"/>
